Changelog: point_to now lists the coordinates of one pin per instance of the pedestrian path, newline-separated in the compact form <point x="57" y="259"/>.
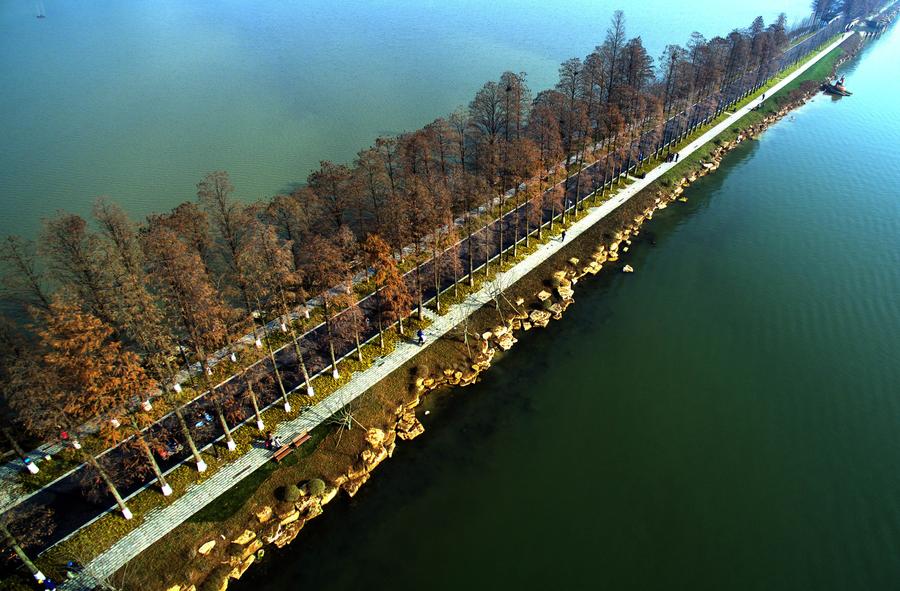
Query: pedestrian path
<point x="161" y="521"/>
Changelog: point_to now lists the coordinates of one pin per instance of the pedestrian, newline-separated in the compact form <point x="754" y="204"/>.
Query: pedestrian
<point x="763" y="97"/>
<point x="421" y="335"/>
<point x="270" y="440"/>
<point x="563" y="237"/>
<point x="49" y="585"/>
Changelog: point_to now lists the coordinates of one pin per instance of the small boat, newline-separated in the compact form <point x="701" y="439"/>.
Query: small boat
<point x="836" y="88"/>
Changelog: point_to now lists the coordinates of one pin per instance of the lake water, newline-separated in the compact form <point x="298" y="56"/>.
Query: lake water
<point x="137" y="100"/>
<point x="727" y="417"/>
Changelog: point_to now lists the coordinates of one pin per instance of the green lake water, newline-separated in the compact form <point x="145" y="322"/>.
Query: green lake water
<point x="727" y="417"/>
<point x="137" y="100"/>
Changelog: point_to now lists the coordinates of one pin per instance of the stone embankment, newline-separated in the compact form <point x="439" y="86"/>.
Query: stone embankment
<point x="281" y="523"/>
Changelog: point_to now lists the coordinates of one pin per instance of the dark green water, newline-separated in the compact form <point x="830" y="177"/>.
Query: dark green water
<point x="727" y="417"/>
<point x="138" y="99"/>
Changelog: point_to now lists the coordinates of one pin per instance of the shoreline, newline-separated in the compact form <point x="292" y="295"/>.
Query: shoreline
<point x="281" y="527"/>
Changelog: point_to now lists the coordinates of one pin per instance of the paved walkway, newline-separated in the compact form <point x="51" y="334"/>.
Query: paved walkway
<point x="159" y="522"/>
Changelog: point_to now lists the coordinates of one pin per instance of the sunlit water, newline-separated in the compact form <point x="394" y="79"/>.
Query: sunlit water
<point x="138" y="99"/>
<point x="727" y="417"/>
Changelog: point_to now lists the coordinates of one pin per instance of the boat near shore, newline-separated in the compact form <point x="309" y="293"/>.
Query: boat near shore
<point x="836" y="88"/>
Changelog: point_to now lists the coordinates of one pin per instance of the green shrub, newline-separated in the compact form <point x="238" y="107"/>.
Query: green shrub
<point x="290" y="493"/>
<point x="315" y="487"/>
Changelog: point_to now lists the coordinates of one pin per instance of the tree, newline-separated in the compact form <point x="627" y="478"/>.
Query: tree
<point x="351" y="322"/>
<point x="326" y="269"/>
<point x="329" y="185"/>
<point x="12" y="346"/>
<point x="23" y="527"/>
<point x="192" y="308"/>
<point x="467" y="190"/>
<point x="79" y="376"/>
<point x="77" y="260"/>
<point x="524" y="163"/>
<point x="137" y="315"/>
<point x="230" y="219"/>
<point x="269" y="266"/>
<point x="133" y="423"/>
<point x="22" y="282"/>
<point x="191" y="225"/>
<point x="391" y="292"/>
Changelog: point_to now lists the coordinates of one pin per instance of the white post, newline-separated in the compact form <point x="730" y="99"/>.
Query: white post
<point x="166" y="490"/>
<point x="201" y="466"/>
<point x="32" y="467"/>
<point x="335" y="374"/>
<point x="283" y="327"/>
<point x="126" y="513"/>
<point x="310" y="391"/>
<point x="231" y="445"/>
<point x="177" y="388"/>
<point x="287" y="406"/>
<point x="147" y="406"/>
<point x="233" y="357"/>
<point x="258" y="343"/>
<point x="260" y="425"/>
<point x="39" y="577"/>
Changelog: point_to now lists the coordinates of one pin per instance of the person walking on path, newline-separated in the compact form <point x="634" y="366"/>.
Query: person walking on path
<point x="421" y="335"/>
<point x="563" y="237"/>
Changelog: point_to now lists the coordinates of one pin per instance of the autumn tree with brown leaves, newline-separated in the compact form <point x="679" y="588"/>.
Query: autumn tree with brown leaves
<point x="84" y="377"/>
<point x="392" y="296"/>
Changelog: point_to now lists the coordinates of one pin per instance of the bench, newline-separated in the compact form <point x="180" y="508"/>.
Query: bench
<point x="295" y="442"/>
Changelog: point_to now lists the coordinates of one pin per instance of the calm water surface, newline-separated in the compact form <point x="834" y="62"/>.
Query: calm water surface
<point x="727" y="417"/>
<point x="138" y="99"/>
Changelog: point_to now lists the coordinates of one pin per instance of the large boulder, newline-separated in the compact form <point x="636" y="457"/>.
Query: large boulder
<point x="242" y="567"/>
<point x="507" y="341"/>
<point x="351" y="487"/>
<point x="245" y="538"/>
<point x="540" y="318"/>
<point x="290" y="517"/>
<point x="374" y="437"/>
<point x="264" y="514"/>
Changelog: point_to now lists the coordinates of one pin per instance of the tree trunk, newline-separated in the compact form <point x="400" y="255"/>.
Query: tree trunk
<point x="516" y="221"/>
<point x="186" y="432"/>
<point x="10" y="541"/>
<point x="379" y="305"/>
<point x="253" y="401"/>
<point x="145" y="447"/>
<point x="15" y="444"/>
<point x="334" y="370"/>
<point x="299" y="352"/>
<point x="470" y="254"/>
<point x="284" y="396"/>
<point x="110" y="485"/>
<point x="436" y="268"/>
<point x="229" y="441"/>
<point x="419" y="285"/>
